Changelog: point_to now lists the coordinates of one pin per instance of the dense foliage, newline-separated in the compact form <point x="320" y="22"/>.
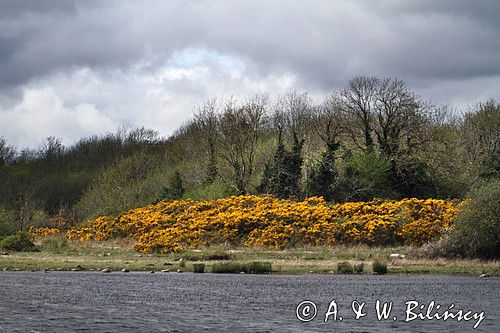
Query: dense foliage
<point x="20" y="241"/>
<point x="476" y="231"/>
<point x="373" y="138"/>
<point x="270" y="222"/>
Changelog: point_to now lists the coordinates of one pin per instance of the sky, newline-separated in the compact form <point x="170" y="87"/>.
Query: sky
<point x="71" y="69"/>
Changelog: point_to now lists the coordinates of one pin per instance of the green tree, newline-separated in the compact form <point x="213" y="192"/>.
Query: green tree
<point x="323" y="178"/>
<point x="266" y="179"/>
<point x="211" y="171"/>
<point x="286" y="169"/>
<point x="176" y="186"/>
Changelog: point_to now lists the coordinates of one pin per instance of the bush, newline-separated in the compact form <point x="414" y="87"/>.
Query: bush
<point x="379" y="267"/>
<point x="227" y="268"/>
<point x="55" y="244"/>
<point x="364" y="177"/>
<point x="6" y="228"/>
<point x="207" y="255"/>
<point x="18" y="242"/>
<point x="345" y="268"/>
<point x="359" y="268"/>
<point x="134" y="181"/>
<point x="476" y="230"/>
<point x="255" y="267"/>
<point x="198" y="268"/>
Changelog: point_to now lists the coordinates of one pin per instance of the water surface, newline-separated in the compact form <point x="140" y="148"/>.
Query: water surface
<point x="172" y="302"/>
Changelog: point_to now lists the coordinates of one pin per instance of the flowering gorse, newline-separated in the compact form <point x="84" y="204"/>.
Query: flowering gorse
<point x="264" y="221"/>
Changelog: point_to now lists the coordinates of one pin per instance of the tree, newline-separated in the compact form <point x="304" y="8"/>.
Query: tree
<point x="392" y="119"/>
<point x="399" y="116"/>
<point x="327" y="122"/>
<point x="358" y="101"/>
<point x="206" y="119"/>
<point x="7" y="153"/>
<point x="294" y="163"/>
<point x="238" y="137"/>
<point x="480" y="133"/>
<point x="282" y="183"/>
<point x="322" y="180"/>
<point x="266" y="179"/>
<point x="291" y="116"/>
<point x="52" y="149"/>
<point x="176" y="186"/>
<point x="400" y="120"/>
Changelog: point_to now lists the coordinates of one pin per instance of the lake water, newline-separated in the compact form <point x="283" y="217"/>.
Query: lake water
<point x="172" y="302"/>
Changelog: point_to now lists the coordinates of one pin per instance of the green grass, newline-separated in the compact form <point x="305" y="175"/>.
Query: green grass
<point x="359" y="268"/>
<point x="198" y="268"/>
<point x="379" y="267"/>
<point x="344" y="268"/>
<point x="254" y="267"/>
<point x="60" y="254"/>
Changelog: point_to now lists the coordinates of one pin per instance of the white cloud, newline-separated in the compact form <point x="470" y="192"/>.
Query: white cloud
<point x="42" y="113"/>
<point x="84" y="101"/>
<point x="147" y="63"/>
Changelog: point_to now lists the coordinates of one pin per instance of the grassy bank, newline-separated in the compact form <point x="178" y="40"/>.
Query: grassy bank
<point x="57" y="254"/>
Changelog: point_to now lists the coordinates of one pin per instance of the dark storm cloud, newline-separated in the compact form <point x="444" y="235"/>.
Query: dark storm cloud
<point x="75" y="68"/>
<point x="323" y="42"/>
<point x="21" y="7"/>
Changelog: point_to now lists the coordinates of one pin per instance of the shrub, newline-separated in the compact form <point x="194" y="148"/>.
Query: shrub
<point x="226" y="268"/>
<point x="344" y="268"/>
<point x="6" y="228"/>
<point x="365" y="176"/>
<point x="255" y="267"/>
<point x="198" y="268"/>
<point x="379" y="267"/>
<point x="20" y="241"/>
<point x="217" y="255"/>
<point x="55" y="244"/>
<point x="359" y="268"/>
<point x="476" y="230"/>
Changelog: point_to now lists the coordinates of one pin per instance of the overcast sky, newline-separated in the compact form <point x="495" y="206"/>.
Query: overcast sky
<point x="72" y="69"/>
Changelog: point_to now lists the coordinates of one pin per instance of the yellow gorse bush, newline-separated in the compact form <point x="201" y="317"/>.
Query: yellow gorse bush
<point x="265" y="221"/>
<point x="43" y="231"/>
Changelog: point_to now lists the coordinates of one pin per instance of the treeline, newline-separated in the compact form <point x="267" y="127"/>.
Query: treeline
<point x="36" y="184"/>
<point x="373" y="138"/>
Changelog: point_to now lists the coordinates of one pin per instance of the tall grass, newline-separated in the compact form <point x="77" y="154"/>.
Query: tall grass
<point x="345" y="268"/>
<point x="379" y="267"/>
<point x="254" y="267"/>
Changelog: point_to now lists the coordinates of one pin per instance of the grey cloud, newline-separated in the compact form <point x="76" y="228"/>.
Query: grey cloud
<point x="23" y="7"/>
<point x="446" y="50"/>
<point x="324" y="42"/>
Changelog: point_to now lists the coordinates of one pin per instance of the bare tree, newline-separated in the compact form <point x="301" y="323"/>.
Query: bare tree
<point x="141" y="135"/>
<point x="358" y="101"/>
<point x="52" y="149"/>
<point x="399" y="117"/>
<point x="238" y="136"/>
<point x="327" y="120"/>
<point x="7" y="152"/>
<point x="206" y="120"/>
<point x="480" y="134"/>
<point x="293" y="112"/>
<point x="28" y="206"/>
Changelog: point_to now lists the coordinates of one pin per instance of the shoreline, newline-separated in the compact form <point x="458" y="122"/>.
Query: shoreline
<point x="117" y="256"/>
